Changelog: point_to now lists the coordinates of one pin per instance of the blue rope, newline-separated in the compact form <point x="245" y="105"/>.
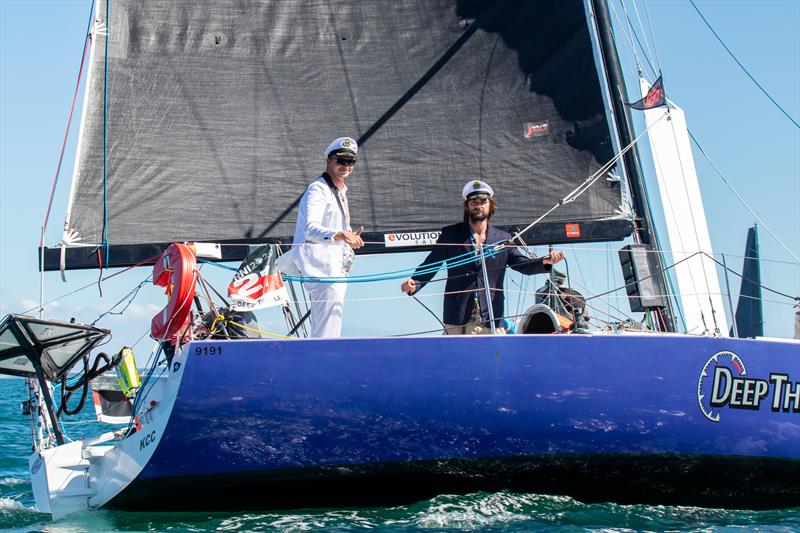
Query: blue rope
<point x="397" y="274"/>
<point x="89" y="25"/>
<point x="105" y="135"/>
<point x="459" y="260"/>
<point x="742" y="66"/>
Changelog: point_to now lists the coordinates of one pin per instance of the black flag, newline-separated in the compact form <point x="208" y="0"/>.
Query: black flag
<point x="655" y="97"/>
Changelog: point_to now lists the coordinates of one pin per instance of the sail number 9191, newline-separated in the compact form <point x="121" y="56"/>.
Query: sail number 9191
<point x="208" y="350"/>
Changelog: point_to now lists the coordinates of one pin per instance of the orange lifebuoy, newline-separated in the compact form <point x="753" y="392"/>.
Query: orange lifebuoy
<point x="176" y="270"/>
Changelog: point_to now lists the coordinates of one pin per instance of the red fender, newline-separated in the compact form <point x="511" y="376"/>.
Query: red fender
<point x="176" y="270"/>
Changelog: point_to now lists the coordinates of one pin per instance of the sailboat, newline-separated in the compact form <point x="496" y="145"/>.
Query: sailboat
<point x="197" y="125"/>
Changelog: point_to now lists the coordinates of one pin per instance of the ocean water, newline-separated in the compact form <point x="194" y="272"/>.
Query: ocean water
<point x="492" y="512"/>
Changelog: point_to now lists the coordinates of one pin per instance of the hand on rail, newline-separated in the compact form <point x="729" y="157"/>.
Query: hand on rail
<point x="553" y="257"/>
<point x="408" y="286"/>
<point x="352" y="238"/>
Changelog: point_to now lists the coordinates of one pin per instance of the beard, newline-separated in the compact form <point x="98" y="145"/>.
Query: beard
<point x="478" y="216"/>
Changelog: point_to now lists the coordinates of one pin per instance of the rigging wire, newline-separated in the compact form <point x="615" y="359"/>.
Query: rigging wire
<point x="645" y="50"/>
<point x="631" y="47"/>
<point x="584" y="287"/>
<point x="708" y="158"/>
<point x="442" y="279"/>
<point x="584" y="247"/>
<point x="744" y="69"/>
<point x="644" y="33"/>
<point x="105" y="135"/>
<point x="131" y="296"/>
<point x="591" y="180"/>
<point x="747" y="279"/>
<point x="149" y="260"/>
<point x="458" y="260"/>
<point x="669" y="280"/>
<point x="691" y="213"/>
<point x="608" y="275"/>
<point x="86" y="42"/>
<point x="657" y="163"/>
<point x="643" y="278"/>
<point x="428" y="309"/>
<point x="657" y="237"/>
<point x="667" y="202"/>
<point x="739" y="197"/>
<point x="652" y="35"/>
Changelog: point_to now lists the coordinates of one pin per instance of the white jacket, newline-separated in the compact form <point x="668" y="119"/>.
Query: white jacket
<point x="314" y="252"/>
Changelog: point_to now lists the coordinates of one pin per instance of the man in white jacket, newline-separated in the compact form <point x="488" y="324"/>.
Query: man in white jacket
<point x="323" y="239"/>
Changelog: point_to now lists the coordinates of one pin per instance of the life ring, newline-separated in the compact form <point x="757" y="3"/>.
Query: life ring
<point x="176" y="270"/>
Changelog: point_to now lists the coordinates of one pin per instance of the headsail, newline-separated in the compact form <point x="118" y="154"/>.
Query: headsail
<point x="685" y="217"/>
<point x="217" y="118"/>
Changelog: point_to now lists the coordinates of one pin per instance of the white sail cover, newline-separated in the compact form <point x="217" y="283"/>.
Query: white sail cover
<point x="698" y="283"/>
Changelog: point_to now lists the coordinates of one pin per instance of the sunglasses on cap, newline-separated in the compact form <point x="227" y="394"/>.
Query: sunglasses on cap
<point x="346" y="161"/>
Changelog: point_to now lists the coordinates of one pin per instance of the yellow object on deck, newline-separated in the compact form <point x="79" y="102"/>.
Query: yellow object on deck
<point x="127" y="373"/>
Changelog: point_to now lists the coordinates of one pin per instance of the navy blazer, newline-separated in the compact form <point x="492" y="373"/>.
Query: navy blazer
<point x="468" y="277"/>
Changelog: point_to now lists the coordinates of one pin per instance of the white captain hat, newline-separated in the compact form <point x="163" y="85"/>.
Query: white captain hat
<point x="342" y="146"/>
<point x="476" y="187"/>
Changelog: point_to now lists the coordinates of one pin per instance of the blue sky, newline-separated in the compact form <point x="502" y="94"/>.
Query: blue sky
<point x="751" y="142"/>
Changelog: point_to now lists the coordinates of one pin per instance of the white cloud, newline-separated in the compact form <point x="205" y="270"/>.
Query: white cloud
<point x="142" y="310"/>
<point x="31" y="306"/>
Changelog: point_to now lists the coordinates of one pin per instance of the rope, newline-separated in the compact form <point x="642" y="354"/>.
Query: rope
<point x="256" y="330"/>
<point x="105" y="135"/>
<point x="459" y="260"/>
<point x="705" y="154"/>
<point x="428" y="309"/>
<point x="583" y="187"/>
<point x="691" y="272"/>
<point x="748" y="279"/>
<point x="739" y="197"/>
<point x="600" y="295"/>
<point x="744" y="69"/>
<point x="641" y="279"/>
<point x="652" y="33"/>
<point x="132" y="295"/>
<point x="54" y="300"/>
<point x="657" y="162"/>
<point x="86" y="42"/>
<point x="645" y="50"/>
<point x="583" y="247"/>
<point x="624" y="30"/>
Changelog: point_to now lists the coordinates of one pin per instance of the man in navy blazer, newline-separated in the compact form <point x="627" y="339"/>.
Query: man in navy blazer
<point x="465" y="306"/>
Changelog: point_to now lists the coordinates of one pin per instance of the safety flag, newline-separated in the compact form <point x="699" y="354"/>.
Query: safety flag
<point x="258" y="283"/>
<point x="655" y="97"/>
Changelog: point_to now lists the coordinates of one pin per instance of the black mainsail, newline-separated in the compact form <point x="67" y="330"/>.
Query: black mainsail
<point x="212" y="117"/>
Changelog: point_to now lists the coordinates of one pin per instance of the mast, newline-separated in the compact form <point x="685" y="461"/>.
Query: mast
<point x="644" y="229"/>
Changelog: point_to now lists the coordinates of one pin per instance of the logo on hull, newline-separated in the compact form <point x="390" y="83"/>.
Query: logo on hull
<point x="724" y="383"/>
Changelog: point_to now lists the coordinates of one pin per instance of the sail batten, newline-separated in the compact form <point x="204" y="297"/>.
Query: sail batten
<point x="218" y="114"/>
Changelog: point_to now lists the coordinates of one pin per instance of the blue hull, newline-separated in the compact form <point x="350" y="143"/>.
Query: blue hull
<point x="651" y="419"/>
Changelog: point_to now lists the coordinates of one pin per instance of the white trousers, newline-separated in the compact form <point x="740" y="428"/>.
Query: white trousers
<point x="327" y="300"/>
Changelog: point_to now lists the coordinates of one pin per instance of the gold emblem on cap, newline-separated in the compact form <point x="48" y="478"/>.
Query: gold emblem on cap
<point x="346" y="143"/>
<point x="476" y="184"/>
